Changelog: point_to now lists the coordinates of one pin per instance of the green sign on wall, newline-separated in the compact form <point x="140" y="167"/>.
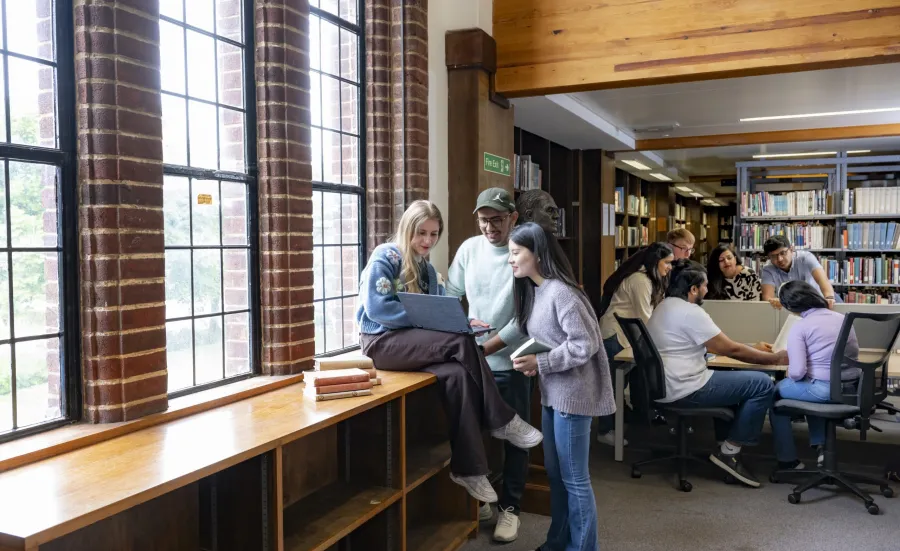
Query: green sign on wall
<point x="495" y="164"/>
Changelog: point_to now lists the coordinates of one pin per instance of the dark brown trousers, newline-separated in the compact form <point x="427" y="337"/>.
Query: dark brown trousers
<point x="469" y="392"/>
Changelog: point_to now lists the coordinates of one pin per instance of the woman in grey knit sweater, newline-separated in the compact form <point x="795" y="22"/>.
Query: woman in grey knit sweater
<point x="574" y="379"/>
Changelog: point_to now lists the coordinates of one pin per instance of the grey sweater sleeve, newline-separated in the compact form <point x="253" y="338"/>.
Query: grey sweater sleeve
<point x="582" y="337"/>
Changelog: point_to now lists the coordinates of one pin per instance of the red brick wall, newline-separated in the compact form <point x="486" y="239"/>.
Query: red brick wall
<point x="120" y="178"/>
<point x="285" y="186"/>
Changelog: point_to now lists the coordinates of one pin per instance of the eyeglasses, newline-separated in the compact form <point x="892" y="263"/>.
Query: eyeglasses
<point x="690" y="250"/>
<point x="496" y="221"/>
<point x="779" y="254"/>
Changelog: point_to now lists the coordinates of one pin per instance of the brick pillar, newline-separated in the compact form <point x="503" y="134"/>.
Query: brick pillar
<point x="396" y="112"/>
<point x="120" y="179"/>
<point x="285" y="185"/>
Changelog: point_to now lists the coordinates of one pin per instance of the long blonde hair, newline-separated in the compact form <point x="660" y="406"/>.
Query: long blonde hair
<point x="417" y="213"/>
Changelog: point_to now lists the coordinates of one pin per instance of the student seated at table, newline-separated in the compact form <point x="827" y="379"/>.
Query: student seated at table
<point x="632" y="291"/>
<point x="810" y="346"/>
<point x="683" y="333"/>
<point x="729" y="279"/>
<point x="469" y="391"/>
<point x="786" y="264"/>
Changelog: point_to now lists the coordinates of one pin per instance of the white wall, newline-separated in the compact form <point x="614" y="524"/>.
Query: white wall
<point x="443" y="16"/>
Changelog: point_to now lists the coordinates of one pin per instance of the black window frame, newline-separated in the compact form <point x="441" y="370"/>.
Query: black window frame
<point x="64" y="158"/>
<point x="250" y="178"/>
<point x="359" y="190"/>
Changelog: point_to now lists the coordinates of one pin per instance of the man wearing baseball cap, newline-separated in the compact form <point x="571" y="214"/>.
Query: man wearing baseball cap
<point x="481" y="272"/>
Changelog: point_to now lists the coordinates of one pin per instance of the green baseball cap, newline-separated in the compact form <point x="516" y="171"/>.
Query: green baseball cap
<point x="495" y="198"/>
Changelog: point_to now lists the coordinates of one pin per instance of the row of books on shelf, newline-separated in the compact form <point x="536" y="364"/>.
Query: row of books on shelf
<point x="801" y="235"/>
<point x="862" y="270"/>
<point x="793" y="203"/>
<point x="726" y="220"/>
<point x="862" y="297"/>
<point x="561" y="223"/>
<point x="632" y="204"/>
<point x="872" y="200"/>
<point x="527" y="174"/>
<point x="680" y="211"/>
<point x="634" y="236"/>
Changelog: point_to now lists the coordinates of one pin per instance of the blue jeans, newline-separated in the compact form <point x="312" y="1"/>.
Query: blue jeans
<point x="749" y="393"/>
<point x="606" y="423"/>
<point x="567" y="442"/>
<point x="807" y="390"/>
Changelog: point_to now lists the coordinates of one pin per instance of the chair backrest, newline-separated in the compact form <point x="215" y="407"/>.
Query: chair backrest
<point x="872" y="361"/>
<point x="648" y="380"/>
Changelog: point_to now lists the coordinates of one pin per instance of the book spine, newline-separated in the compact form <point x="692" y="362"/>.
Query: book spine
<point x="331" y="389"/>
<point x="331" y="365"/>
<point x="339" y="395"/>
<point x="325" y="381"/>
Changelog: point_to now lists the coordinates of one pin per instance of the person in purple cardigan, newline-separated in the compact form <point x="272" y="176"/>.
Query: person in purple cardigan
<point x="810" y="346"/>
<point x="573" y="375"/>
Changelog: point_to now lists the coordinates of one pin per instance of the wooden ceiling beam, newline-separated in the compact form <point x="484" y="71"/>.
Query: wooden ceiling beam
<point x="775" y="136"/>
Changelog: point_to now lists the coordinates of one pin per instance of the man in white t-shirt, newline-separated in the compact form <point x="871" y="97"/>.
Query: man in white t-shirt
<point x="683" y="333"/>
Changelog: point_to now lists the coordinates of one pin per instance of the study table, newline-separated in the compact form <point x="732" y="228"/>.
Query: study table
<point x="277" y="471"/>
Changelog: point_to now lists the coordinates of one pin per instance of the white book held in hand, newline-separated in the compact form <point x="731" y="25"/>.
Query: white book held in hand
<point x="530" y="346"/>
<point x="782" y="339"/>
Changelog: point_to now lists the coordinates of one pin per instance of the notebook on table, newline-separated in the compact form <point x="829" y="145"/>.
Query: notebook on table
<point x="438" y="313"/>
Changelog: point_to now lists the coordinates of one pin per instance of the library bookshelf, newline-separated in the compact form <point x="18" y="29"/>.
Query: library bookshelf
<point x="844" y="209"/>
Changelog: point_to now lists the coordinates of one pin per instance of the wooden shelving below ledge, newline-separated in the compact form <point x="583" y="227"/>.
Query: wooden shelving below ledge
<point x="321" y="519"/>
<point x="444" y="536"/>
<point x="425" y="461"/>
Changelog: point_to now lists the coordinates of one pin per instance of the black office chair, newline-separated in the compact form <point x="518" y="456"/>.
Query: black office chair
<point x="648" y="385"/>
<point x="850" y="403"/>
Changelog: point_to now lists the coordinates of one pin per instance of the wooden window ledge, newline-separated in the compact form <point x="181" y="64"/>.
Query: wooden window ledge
<point x="79" y="435"/>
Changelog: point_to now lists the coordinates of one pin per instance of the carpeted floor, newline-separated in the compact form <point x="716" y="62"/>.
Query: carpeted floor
<point x="648" y="514"/>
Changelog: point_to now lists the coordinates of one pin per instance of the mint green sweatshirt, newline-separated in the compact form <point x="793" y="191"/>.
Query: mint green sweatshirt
<point x="481" y="272"/>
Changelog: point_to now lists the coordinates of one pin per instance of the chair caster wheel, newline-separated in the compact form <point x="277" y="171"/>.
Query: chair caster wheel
<point x="872" y="508"/>
<point x="730" y="479"/>
<point x="886" y="491"/>
<point x="635" y="473"/>
<point x="794" y="498"/>
<point x="685" y="486"/>
<point x="773" y="478"/>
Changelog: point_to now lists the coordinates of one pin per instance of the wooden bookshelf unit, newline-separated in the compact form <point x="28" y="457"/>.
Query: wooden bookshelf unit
<point x="275" y="472"/>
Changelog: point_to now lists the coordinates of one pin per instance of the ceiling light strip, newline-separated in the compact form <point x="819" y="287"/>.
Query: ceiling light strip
<point x="828" y="114"/>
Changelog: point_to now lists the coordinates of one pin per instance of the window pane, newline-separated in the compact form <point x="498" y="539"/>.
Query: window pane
<point x="6" y="407"/>
<point x="229" y="22"/>
<point x="204" y="146"/>
<point x="37" y="381"/>
<point x="333" y="271"/>
<point x="205" y="206"/>
<point x="200" y="14"/>
<point x="237" y="296"/>
<point x="176" y="204"/>
<point x="207" y="281"/>
<point x="171" y="53"/>
<point x="331" y="157"/>
<point x="208" y="341"/>
<point x="331" y="220"/>
<point x="315" y="98"/>
<point x="349" y="108"/>
<point x="316" y="146"/>
<point x="3" y="107"/>
<point x="350" y="269"/>
<point x="231" y="74"/>
<point x="317" y="217"/>
<point x="31" y="298"/>
<point x="350" y="160"/>
<point x="334" y="324"/>
<point x="178" y="283"/>
<point x="330" y="48"/>
<point x="314" y="53"/>
<point x="319" y="317"/>
<point x="318" y="274"/>
<point x="349" y="219"/>
<point x="201" y="51"/>
<point x="234" y="213"/>
<point x="32" y="194"/>
<point x="349" y="55"/>
<point x="172" y="8"/>
<point x="180" y="354"/>
<point x="4" y="300"/>
<point x="32" y="103"/>
<point x="174" y="118"/>
<point x="331" y="6"/>
<point x="30" y="27"/>
<point x="351" y="333"/>
<point x="231" y="138"/>
<point x="237" y="344"/>
<point x="331" y="103"/>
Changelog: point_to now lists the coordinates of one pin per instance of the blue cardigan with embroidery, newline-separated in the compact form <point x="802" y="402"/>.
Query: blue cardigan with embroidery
<point x="379" y="308"/>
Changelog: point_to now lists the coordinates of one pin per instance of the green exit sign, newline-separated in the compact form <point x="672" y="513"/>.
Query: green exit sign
<point x="496" y="164"/>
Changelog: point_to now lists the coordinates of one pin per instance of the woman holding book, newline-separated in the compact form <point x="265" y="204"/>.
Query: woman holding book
<point x="810" y="345"/>
<point x="632" y="291"/>
<point x="573" y="375"/>
<point x="729" y="279"/>
<point x="470" y="394"/>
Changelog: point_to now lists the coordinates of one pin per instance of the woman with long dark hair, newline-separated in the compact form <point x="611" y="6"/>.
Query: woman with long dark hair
<point x="729" y="279"/>
<point x="573" y="377"/>
<point x="810" y="345"/>
<point x="632" y="291"/>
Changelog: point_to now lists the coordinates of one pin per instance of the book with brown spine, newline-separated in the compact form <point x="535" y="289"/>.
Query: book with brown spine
<point x="331" y="389"/>
<point x="338" y="377"/>
<point x="338" y="395"/>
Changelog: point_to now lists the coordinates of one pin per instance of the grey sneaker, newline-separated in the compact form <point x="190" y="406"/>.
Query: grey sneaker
<point x="519" y="433"/>
<point x="732" y="465"/>
<point x="478" y="487"/>
<point x="507" y="528"/>
<point x="485" y="513"/>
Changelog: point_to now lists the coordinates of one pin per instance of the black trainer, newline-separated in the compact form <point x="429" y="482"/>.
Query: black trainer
<point x="732" y="465"/>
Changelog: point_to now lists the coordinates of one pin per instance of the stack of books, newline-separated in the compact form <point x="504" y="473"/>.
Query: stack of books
<point x="338" y="383"/>
<point x="357" y="361"/>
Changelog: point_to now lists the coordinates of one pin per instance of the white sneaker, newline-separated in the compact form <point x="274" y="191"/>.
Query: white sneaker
<point x="609" y="439"/>
<point x="478" y="487"/>
<point x="507" y="528"/>
<point x="519" y="433"/>
<point x="485" y="513"/>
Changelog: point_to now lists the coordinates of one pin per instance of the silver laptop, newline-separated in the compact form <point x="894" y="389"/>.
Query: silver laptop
<point x="437" y="313"/>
